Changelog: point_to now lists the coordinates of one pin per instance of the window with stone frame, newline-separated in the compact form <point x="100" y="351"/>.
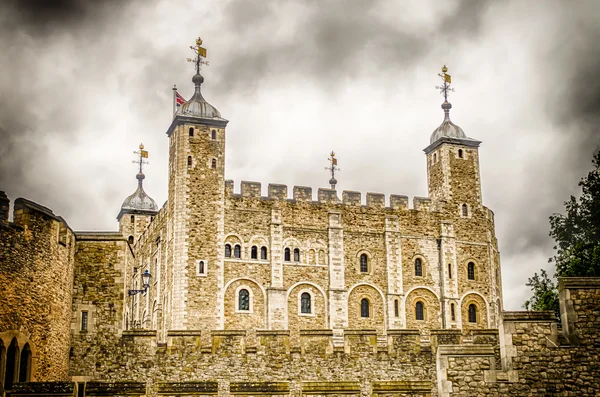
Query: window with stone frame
<point x="227" y="251"/>
<point x="364" y="308"/>
<point x="213" y="164"/>
<point x="254" y="252"/>
<point x="201" y="267"/>
<point x="364" y="263"/>
<point x="450" y="270"/>
<point x="465" y="210"/>
<point x="84" y="321"/>
<point x="263" y="253"/>
<point x="214" y="135"/>
<point x="419" y="311"/>
<point x="418" y="267"/>
<point x="396" y="308"/>
<point x="244" y="300"/>
<point x="286" y="255"/>
<point x="452" y="314"/>
<point x="472" y="313"/>
<point x="237" y="251"/>
<point x="471" y="271"/>
<point x="305" y="303"/>
<point x="296" y="255"/>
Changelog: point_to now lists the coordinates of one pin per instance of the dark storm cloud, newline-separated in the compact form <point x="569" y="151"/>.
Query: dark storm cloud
<point x="332" y="41"/>
<point x="38" y="102"/>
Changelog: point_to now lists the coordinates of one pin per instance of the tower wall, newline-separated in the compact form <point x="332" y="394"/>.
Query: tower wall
<point x="36" y="274"/>
<point x="196" y="198"/>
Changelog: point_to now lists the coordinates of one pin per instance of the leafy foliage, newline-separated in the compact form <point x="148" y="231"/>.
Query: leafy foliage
<point x="577" y="236"/>
<point x="545" y="294"/>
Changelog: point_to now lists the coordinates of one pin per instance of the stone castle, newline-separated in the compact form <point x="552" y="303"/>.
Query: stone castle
<point x="219" y="293"/>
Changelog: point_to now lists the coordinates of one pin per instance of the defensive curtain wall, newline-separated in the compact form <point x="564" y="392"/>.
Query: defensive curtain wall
<point x="330" y="236"/>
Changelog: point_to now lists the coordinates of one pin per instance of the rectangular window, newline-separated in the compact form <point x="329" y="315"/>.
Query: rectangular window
<point x="84" y="321"/>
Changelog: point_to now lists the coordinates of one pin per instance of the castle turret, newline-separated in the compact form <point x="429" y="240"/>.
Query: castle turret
<point x="137" y="209"/>
<point x="453" y="161"/>
<point x="196" y="200"/>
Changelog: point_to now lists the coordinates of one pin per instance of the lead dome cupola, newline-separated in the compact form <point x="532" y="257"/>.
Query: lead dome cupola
<point x="447" y="129"/>
<point x="197" y="106"/>
<point x="139" y="202"/>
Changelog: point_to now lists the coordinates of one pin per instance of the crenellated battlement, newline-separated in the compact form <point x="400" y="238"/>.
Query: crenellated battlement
<point x="249" y="189"/>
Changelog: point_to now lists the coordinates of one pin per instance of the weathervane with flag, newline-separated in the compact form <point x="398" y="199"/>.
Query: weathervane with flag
<point x="447" y="79"/>
<point x="198" y="61"/>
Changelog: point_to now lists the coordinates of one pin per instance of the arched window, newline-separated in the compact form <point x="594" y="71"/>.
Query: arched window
<point x="449" y="270"/>
<point x="132" y="219"/>
<point x="305" y="303"/>
<point x="227" y="251"/>
<point x="286" y="255"/>
<point x="396" y="308"/>
<point x="472" y="313"/>
<point x="201" y="267"/>
<point x="434" y="158"/>
<point x="191" y="131"/>
<point x="214" y="135"/>
<point x="244" y="300"/>
<point x="418" y="267"/>
<point x="25" y="364"/>
<point x="322" y="258"/>
<point x="465" y="210"/>
<point x="471" y="271"/>
<point x="214" y="164"/>
<point x="254" y="252"/>
<point x="263" y="253"/>
<point x="237" y="251"/>
<point x="296" y="255"/>
<point x="419" y="312"/>
<point x="12" y="356"/>
<point x="364" y="263"/>
<point x="312" y="257"/>
<point x="452" y="312"/>
<point x="189" y="161"/>
<point x="460" y="153"/>
<point x="364" y="308"/>
<point x="130" y="240"/>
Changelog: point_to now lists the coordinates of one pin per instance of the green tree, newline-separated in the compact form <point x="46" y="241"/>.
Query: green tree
<point x="577" y="237"/>
<point x="545" y="294"/>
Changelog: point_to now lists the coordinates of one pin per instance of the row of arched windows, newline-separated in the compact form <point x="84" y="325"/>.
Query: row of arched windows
<point x="237" y="252"/>
<point x="419" y="269"/>
<point x="365" y="307"/>
<point x="213" y="133"/>
<point x="287" y="255"/>
<point x="213" y="163"/>
<point x="15" y="365"/>
<point x="244" y="302"/>
<point x="365" y="310"/>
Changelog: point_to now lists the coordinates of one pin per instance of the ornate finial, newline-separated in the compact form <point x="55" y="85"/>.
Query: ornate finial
<point x="142" y="154"/>
<point x="200" y="53"/>
<point x="332" y="168"/>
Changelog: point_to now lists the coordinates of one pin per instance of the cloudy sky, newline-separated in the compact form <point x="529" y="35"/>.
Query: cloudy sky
<point x="84" y="82"/>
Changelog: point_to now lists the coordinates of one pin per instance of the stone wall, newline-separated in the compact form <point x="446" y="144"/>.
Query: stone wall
<point x="36" y="279"/>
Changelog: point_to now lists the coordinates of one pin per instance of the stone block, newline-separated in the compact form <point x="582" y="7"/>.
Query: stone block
<point x="278" y="192"/>
<point x="250" y="189"/>
<point x="376" y="200"/>
<point x="351" y="198"/>
<point x="398" y="202"/>
<point x="328" y="196"/>
<point x="302" y="193"/>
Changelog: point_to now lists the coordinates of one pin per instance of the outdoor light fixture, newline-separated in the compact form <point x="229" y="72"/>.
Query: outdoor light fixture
<point x="145" y="284"/>
<point x="146" y="276"/>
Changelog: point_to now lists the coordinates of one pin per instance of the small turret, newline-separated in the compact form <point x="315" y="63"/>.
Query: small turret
<point x="138" y="205"/>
